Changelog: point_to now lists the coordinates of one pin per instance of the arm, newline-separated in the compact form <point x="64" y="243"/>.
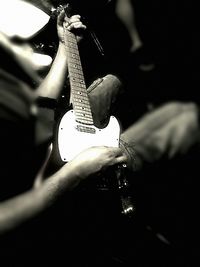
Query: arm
<point x="54" y="81"/>
<point x="15" y="211"/>
<point x="168" y="131"/>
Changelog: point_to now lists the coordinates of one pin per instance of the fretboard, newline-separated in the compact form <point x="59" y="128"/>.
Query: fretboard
<point x="79" y="96"/>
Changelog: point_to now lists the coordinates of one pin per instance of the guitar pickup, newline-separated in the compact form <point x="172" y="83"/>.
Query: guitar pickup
<point x="85" y="129"/>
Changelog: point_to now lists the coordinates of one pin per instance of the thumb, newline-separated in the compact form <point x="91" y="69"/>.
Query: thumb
<point x="60" y="18"/>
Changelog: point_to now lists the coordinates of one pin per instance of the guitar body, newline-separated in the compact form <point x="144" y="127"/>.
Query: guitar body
<point x="74" y="137"/>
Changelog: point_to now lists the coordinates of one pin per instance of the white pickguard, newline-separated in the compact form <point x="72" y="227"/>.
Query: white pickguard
<point x="71" y="141"/>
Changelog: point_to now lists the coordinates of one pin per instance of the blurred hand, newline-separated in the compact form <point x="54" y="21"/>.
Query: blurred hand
<point x="182" y="132"/>
<point x="73" y="24"/>
<point x="97" y="159"/>
<point x="169" y="130"/>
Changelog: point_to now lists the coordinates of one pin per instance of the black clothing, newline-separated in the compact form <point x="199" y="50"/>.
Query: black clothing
<point x="26" y="131"/>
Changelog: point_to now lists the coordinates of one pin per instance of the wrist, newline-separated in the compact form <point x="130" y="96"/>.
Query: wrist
<point x="70" y="175"/>
<point x="61" y="47"/>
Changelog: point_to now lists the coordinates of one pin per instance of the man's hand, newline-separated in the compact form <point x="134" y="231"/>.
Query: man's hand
<point x="96" y="159"/>
<point x="73" y="24"/>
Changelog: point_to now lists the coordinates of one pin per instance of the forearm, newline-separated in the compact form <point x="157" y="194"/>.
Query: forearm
<point x="55" y="79"/>
<point x="15" y="211"/>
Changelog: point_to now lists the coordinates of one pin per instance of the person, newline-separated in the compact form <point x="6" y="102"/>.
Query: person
<point x="165" y="133"/>
<point x="163" y="125"/>
<point x="25" y="136"/>
<point x="108" y="246"/>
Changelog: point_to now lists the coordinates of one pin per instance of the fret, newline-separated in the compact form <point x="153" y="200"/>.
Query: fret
<point x="80" y="104"/>
<point x="79" y="86"/>
<point x="83" y="115"/>
<point x="73" y="78"/>
<point x="84" y="112"/>
<point x="80" y="99"/>
<point x="88" y="118"/>
<point x="83" y="118"/>
<point x="87" y="109"/>
<point x="72" y="39"/>
<point x="76" y="71"/>
<point x="81" y="95"/>
<point x="74" y="67"/>
<point x="79" y="91"/>
<point x="77" y="82"/>
<point x="74" y="55"/>
<point x="74" y="58"/>
<point x="71" y="45"/>
<point x="84" y="121"/>
<point x="77" y="75"/>
<point x="72" y="51"/>
<point x="74" y="61"/>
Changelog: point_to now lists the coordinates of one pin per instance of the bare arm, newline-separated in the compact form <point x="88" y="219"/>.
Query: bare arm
<point x="15" y="211"/>
<point x="54" y="81"/>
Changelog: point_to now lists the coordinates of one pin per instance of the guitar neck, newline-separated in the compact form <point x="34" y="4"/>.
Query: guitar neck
<point x="79" y="96"/>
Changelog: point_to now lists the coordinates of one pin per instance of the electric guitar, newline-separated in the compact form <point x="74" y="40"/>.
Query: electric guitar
<point x="76" y="130"/>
